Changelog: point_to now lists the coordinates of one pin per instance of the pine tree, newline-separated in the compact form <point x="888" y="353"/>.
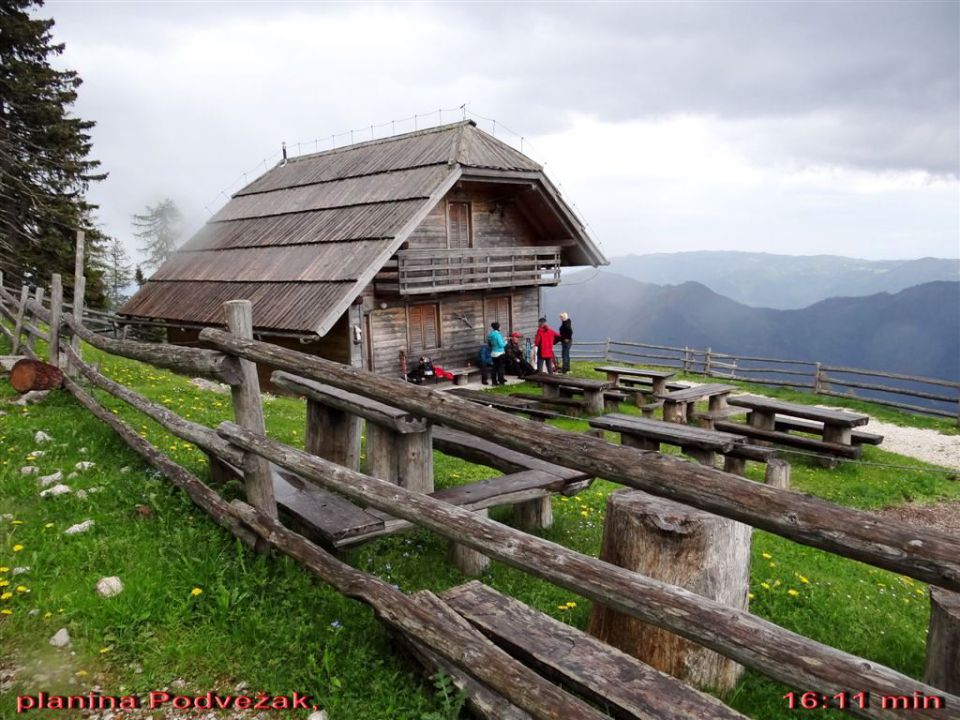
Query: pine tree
<point x="118" y="274"/>
<point x="45" y="168"/>
<point x="138" y="277"/>
<point x="161" y="228"/>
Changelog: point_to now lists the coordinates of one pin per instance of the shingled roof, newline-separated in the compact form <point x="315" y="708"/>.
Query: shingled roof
<point x="304" y="239"/>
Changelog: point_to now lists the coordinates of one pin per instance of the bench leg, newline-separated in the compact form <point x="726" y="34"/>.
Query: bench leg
<point x="673" y="412"/>
<point x="593" y="402"/>
<point x="415" y="461"/>
<point x="704" y="457"/>
<point x="469" y="561"/>
<point x="761" y="421"/>
<point x="641" y="443"/>
<point x="777" y="473"/>
<point x="533" y="514"/>
<point x="734" y="465"/>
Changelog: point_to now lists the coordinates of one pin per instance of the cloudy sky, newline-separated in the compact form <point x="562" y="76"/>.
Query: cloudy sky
<point x="800" y="128"/>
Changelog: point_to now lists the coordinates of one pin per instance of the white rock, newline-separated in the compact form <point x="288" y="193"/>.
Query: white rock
<point x="93" y="490"/>
<point x="46" y="480"/>
<point x="125" y="469"/>
<point x="20" y="570"/>
<point x="61" y="639"/>
<point x="216" y="387"/>
<point x="39" y="453"/>
<point x="79" y="527"/>
<point x="55" y="490"/>
<point x="73" y="476"/>
<point x="83" y="465"/>
<point x="109" y="586"/>
<point x="32" y="397"/>
<point x="319" y="715"/>
<point x="34" y="612"/>
<point x="81" y="494"/>
<point x="6" y="516"/>
<point x="41" y="437"/>
<point x="29" y="470"/>
<point x="83" y="451"/>
<point x="241" y="686"/>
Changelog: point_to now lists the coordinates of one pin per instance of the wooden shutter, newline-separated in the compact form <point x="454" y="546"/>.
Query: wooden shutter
<point x="497" y="309"/>
<point x="423" y="329"/>
<point x="458" y="225"/>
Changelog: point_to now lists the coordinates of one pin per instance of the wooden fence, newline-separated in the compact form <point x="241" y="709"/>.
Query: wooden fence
<point x="942" y="396"/>
<point x="500" y="684"/>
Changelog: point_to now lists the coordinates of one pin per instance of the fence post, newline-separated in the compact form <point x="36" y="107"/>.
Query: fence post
<point x="943" y="641"/>
<point x="817" y="380"/>
<point x="38" y="298"/>
<point x="606" y="351"/>
<point x="707" y="361"/>
<point x="685" y="359"/>
<point x="56" y="308"/>
<point x="79" y="289"/>
<point x="18" y="325"/>
<point x="248" y="411"/>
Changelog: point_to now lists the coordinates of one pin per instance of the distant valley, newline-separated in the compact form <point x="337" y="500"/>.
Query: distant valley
<point x="916" y="330"/>
<point x="784" y="282"/>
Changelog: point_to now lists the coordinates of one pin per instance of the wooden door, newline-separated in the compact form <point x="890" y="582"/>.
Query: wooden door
<point x="498" y="309"/>
<point x="458" y="226"/>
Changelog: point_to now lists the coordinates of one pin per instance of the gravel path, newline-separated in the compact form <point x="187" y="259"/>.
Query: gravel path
<point x="927" y="445"/>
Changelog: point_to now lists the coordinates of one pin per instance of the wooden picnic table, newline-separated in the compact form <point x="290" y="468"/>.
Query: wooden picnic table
<point x="592" y="389"/>
<point x="700" y="444"/>
<point x="837" y="425"/>
<point x="658" y="378"/>
<point x="678" y="406"/>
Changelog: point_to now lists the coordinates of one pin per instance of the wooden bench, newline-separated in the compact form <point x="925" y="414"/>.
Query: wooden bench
<point x="836" y="425"/>
<point x="657" y="379"/>
<point x="701" y="444"/>
<point x="788" y="424"/>
<point x="678" y="405"/>
<point x="622" y="685"/>
<point x="507" y="403"/>
<point x="592" y="390"/>
<point x="577" y="406"/>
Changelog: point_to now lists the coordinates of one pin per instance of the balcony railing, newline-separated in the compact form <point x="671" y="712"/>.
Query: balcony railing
<point x="415" y="272"/>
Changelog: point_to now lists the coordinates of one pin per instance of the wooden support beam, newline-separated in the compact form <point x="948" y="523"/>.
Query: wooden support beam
<point x="783" y="655"/>
<point x="79" y="290"/>
<point x="405" y="459"/>
<point x="943" y="641"/>
<point x="248" y="410"/>
<point x="777" y="474"/>
<point x="534" y="514"/>
<point x="917" y="552"/>
<point x="333" y="434"/>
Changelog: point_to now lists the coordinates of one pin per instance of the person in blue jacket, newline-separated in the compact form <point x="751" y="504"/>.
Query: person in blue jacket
<point x="498" y="349"/>
<point x="485" y="361"/>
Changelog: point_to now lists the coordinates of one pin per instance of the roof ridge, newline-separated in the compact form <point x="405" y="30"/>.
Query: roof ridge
<point x="382" y="141"/>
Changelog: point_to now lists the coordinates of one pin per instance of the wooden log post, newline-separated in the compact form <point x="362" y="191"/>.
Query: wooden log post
<point x="674" y="543"/>
<point x="404" y="459"/>
<point x="707" y="363"/>
<point x="18" y="325"/>
<point x="333" y="434"/>
<point x="79" y="290"/>
<point x="943" y="641"/>
<point x="467" y="560"/>
<point x="734" y="465"/>
<point x="533" y="514"/>
<point x="248" y="410"/>
<point x="56" y="311"/>
<point x="777" y="473"/>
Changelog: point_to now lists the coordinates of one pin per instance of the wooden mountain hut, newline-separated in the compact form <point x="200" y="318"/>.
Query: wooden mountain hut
<point x="411" y="244"/>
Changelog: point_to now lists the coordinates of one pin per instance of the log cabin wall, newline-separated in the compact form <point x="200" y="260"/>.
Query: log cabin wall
<point x="463" y="322"/>
<point x="496" y="219"/>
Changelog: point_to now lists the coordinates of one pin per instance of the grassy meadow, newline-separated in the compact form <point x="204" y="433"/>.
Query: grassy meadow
<point x="199" y="609"/>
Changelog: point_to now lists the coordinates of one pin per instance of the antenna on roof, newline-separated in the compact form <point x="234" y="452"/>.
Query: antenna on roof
<point x="283" y="149"/>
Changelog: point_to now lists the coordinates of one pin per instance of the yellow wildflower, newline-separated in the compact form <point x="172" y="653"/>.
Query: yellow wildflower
<point x="81" y="673"/>
<point x="16" y="522"/>
<point x="802" y="579"/>
<point x="22" y="589"/>
<point x="17" y="548"/>
<point x="6" y="596"/>
<point x="571" y="604"/>
<point x="792" y="592"/>
<point x="48" y="525"/>
<point x="196" y="591"/>
<point x="765" y="586"/>
<point x="4" y="569"/>
<point x="766" y="556"/>
<point x="6" y="611"/>
<point x="47" y="615"/>
<point x="750" y="596"/>
<point x="4" y="583"/>
<point x="104" y="650"/>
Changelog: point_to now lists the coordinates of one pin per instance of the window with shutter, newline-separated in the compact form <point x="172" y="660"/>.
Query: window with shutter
<point x="423" y="328"/>
<point x="458" y="225"/>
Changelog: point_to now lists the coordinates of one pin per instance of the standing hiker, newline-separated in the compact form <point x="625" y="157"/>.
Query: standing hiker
<point x="566" y="341"/>
<point x="498" y="349"/>
<point x="544" y="340"/>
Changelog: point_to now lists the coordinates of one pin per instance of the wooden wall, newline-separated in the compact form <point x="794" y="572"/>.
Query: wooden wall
<point x="496" y="219"/>
<point x="464" y="325"/>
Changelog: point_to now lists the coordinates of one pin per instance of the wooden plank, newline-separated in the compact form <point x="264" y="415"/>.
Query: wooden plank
<point x="475" y="449"/>
<point x="783" y="423"/>
<point x="919" y="553"/>
<point x="621" y="684"/>
<point x="798" y="441"/>
<point x="581" y="383"/>
<point x="699" y="392"/>
<point x="484" y="491"/>
<point x="56" y="312"/>
<point x="18" y="324"/>
<point x="387" y="416"/>
<point x="561" y="401"/>
<point x="672" y="433"/>
<point x="836" y="417"/>
<point x="636" y="372"/>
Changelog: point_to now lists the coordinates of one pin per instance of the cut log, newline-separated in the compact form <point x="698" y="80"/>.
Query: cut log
<point x="704" y="553"/>
<point x="777" y="473"/>
<point x="943" y="641"/>
<point x="534" y="514"/>
<point x="27" y="375"/>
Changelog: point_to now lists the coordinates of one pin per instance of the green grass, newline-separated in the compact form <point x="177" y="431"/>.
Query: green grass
<point x="264" y="621"/>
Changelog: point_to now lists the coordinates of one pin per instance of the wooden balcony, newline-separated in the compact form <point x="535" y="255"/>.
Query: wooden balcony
<point x="419" y="272"/>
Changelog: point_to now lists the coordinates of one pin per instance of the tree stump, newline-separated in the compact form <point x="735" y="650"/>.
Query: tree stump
<point x="943" y="641"/>
<point x="680" y="545"/>
<point x="777" y="473"/>
<point x="27" y="375"/>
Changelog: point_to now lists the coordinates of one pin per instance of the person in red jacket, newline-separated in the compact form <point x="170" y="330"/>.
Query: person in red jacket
<point x="544" y="340"/>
